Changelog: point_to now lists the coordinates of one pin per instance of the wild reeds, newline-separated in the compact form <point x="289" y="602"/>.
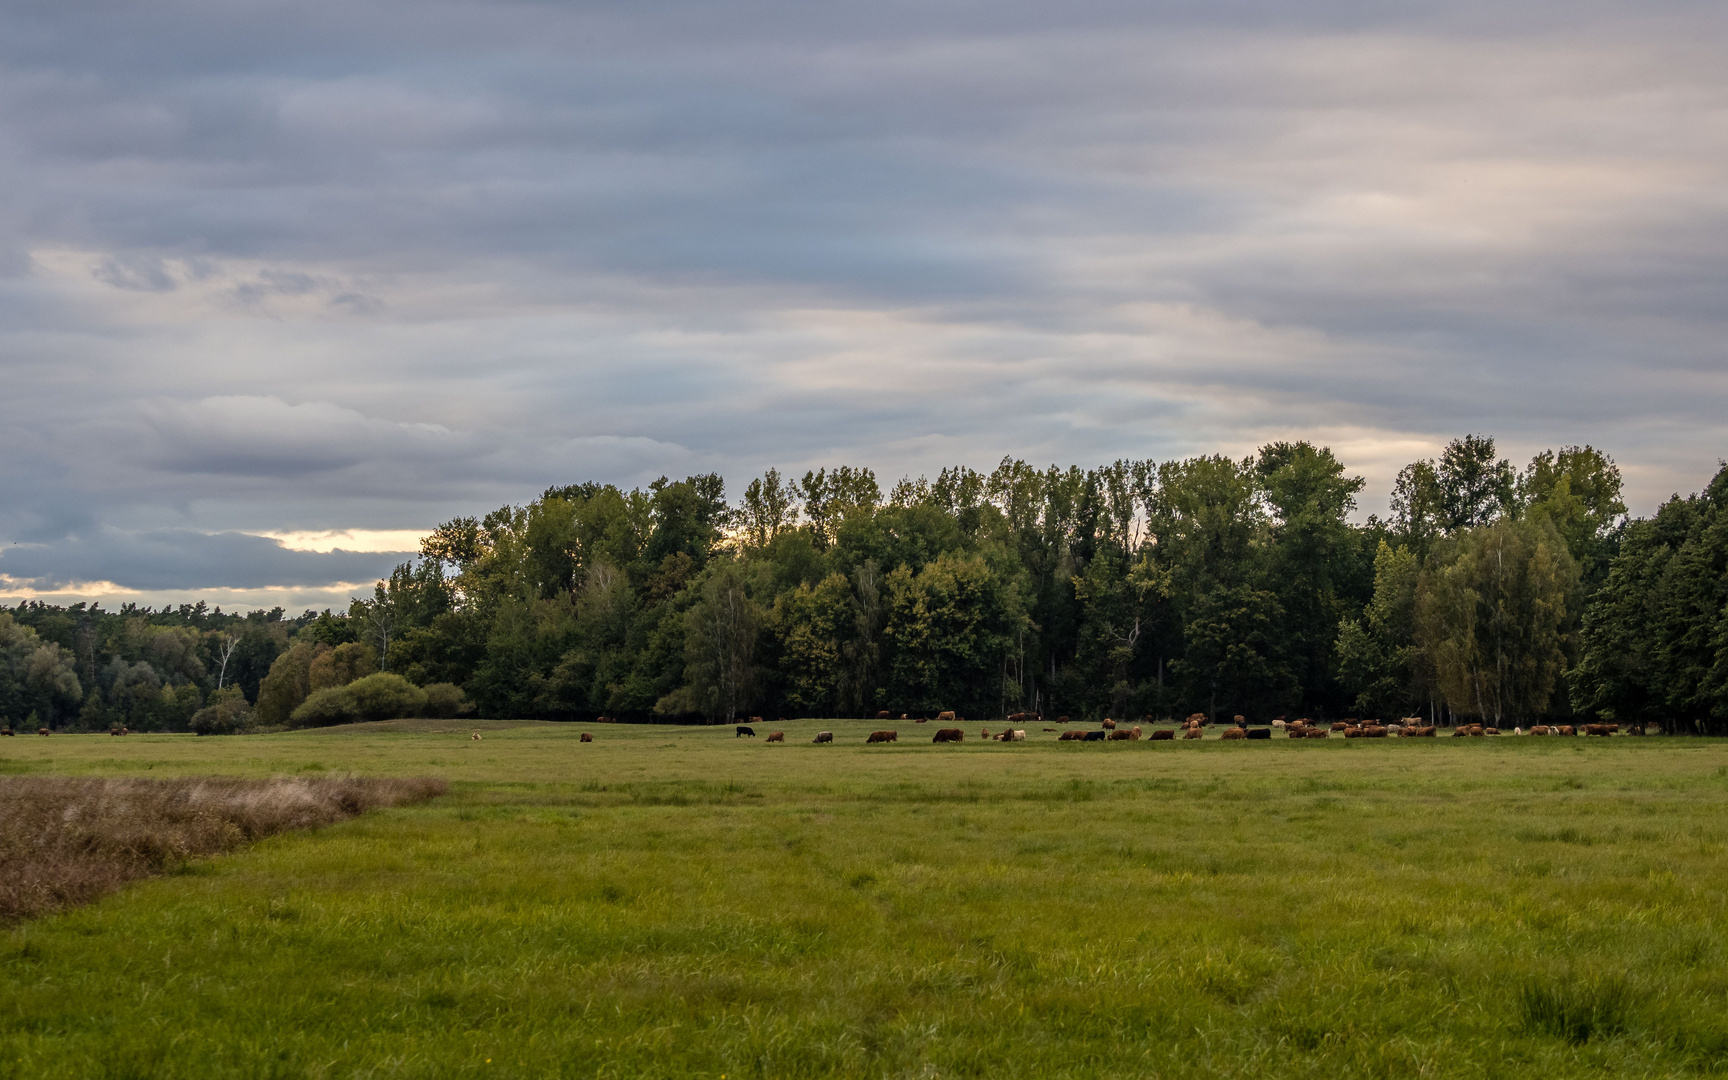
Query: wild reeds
<point x="66" y="841"/>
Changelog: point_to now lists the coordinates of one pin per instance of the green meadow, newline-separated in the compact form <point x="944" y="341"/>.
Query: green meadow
<point x="677" y="902"/>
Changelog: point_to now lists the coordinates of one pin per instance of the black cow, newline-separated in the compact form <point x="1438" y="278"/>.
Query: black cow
<point x="745" y="729"/>
<point x="1096" y="736"/>
<point x="1260" y="733"/>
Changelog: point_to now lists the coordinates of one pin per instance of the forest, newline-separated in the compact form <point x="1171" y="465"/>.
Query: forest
<point x="1140" y="588"/>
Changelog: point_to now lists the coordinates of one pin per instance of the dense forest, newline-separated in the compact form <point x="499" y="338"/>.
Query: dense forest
<point x="1140" y="588"/>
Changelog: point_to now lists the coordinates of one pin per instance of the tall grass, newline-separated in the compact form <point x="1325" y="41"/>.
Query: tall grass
<point x="67" y="841"/>
<point x="1576" y="1010"/>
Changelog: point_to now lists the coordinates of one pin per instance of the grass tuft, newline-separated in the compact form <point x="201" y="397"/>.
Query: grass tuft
<point x="1576" y="1011"/>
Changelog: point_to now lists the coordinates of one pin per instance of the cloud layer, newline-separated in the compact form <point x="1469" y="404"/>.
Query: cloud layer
<point x="332" y="267"/>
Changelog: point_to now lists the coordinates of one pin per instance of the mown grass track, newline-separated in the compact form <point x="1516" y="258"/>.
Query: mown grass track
<point x="678" y="902"/>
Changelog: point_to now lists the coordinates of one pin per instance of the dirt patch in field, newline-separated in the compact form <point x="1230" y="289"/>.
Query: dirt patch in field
<point x="67" y="841"/>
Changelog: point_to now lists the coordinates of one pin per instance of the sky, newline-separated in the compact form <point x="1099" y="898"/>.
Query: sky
<point x="283" y="286"/>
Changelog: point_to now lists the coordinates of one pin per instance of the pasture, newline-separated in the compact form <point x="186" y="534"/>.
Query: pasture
<point x="677" y="902"/>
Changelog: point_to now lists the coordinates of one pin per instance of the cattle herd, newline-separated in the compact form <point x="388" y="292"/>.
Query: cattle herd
<point x="1193" y="727"/>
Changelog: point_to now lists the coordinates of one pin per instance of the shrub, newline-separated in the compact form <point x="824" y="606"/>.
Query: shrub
<point x="386" y="697"/>
<point x="376" y="697"/>
<point x="227" y="714"/>
<point x="447" y="701"/>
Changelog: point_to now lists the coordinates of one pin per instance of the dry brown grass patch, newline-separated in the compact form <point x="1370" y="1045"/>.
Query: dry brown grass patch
<point x="67" y="841"/>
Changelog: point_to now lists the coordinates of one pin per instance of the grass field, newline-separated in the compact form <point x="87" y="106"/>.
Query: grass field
<point x="677" y="902"/>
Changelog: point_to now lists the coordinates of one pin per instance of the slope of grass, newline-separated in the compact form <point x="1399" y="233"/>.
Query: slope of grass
<point x="678" y="902"/>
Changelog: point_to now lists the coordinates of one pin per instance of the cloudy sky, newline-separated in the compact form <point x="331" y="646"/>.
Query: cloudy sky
<point x="284" y="285"/>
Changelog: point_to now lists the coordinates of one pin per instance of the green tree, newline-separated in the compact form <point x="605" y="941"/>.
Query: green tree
<point x="1495" y="614"/>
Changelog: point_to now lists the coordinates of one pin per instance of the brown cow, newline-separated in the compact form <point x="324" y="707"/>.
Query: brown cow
<point x="1026" y="718"/>
<point x="922" y="720"/>
<point x="1374" y="731"/>
<point x="1163" y="735"/>
<point x="1059" y="719"/>
<point x="949" y="734"/>
<point x="1539" y="729"/>
<point x="1193" y="733"/>
<point x="883" y="736"/>
<point x="883" y="715"/>
<point x="1122" y="736"/>
<point x="776" y="736"/>
<point x="1339" y="725"/>
<point x="587" y="737"/>
<point x="1295" y="732"/>
<point x="6" y="731"/>
<point x="1601" y="729"/>
<point x="1316" y="733"/>
<point x="1567" y="729"/>
<point x="1134" y="732"/>
<point x="42" y="731"/>
<point x="823" y="736"/>
<point x="1109" y="724"/>
<point x="1071" y="736"/>
<point x="1236" y="733"/>
<point x="946" y="716"/>
<point x="1241" y="721"/>
<point x="1012" y="736"/>
<point x="984" y="734"/>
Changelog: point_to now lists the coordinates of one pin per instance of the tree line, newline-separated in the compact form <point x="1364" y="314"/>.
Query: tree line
<point x="1208" y="584"/>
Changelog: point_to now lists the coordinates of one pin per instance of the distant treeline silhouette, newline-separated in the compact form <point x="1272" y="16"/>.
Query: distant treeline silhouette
<point x="1204" y="585"/>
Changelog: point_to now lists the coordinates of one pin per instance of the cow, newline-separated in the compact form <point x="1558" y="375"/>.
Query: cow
<point x="1109" y="724"/>
<point x="6" y="732"/>
<point x="1071" y="736"/>
<point x="1235" y="733"/>
<point x="1374" y="731"/>
<point x="945" y="717"/>
<point x="776" y="736"/>
<point x="1134" y="732"/>
<point x="755" y="719"/>
<point x="116" y="731"/>
<point x="949" y="734"/>
<point x="1123" y="736"/>
<point x="1012" y="736"/>
<point x="1162" y="735"/>
<point x="1601" y="729"/>
<point x="1490" y="731"/>
<point x="883" y="715"/>
<point x="883" y="736"/>
<point x="1279" y="723"/>
<point x="474" y="736"/>
<point x="1566" y="729"/>
<point x="1192" y="733"/>
<point x="42" y="731"/>
<point x="1316" y="733"/>
<point x="1059" y="719"/>
<point x="1094" y="736"/>
<point x="1260" y="733"/>
<point x="1295" y="732"/>
<point x="587" y="737"/>
<point x="1339" y="725"/>
<point x="1241" y="721"/>
<point x="823" y="736"/>
<point x="1029" y="718"/>
<point x="922" y="720"/>
<point x="743" y="730"/>
<point x="1539" y="729"/>
<point x="984" y="734"/>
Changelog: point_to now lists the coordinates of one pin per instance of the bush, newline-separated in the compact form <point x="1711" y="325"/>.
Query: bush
<point x="227" y="714"/>
<point x="446" y="701"/>
<point x="376" y="697"/>
<point x="386" y="697"/>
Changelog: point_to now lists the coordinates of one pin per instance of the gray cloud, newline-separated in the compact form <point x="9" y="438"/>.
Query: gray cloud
<point x="372" y="266"/>
<point x="184" y="559"/>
